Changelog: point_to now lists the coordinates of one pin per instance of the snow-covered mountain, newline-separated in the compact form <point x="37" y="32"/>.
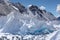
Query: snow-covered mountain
<point x="16" y="19"/>
<point x="36" y="11"/>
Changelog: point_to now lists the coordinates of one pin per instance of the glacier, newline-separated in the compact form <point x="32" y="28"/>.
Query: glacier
<point x="24" y="24"/>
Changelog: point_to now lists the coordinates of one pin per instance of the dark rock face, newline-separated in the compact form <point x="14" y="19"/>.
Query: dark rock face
<point x="41" y="13"/>
<point x="2" y="1"/>
<point x="20" y="7"/>
<point x="33" y="8"/>
<point x="4" y="8"/>
<point x="58" y="18"/>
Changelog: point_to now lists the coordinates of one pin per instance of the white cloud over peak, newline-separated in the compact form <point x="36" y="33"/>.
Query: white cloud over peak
<point x="42" y="7"/>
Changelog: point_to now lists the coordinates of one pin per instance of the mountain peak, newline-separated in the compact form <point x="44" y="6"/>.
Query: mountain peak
<point x="33" y="8"/>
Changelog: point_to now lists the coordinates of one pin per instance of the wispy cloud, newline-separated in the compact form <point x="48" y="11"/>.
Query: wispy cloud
<point x="58" y="8"/>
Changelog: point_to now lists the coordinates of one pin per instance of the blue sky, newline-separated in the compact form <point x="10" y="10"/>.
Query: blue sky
<point x="50" y="5"/>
